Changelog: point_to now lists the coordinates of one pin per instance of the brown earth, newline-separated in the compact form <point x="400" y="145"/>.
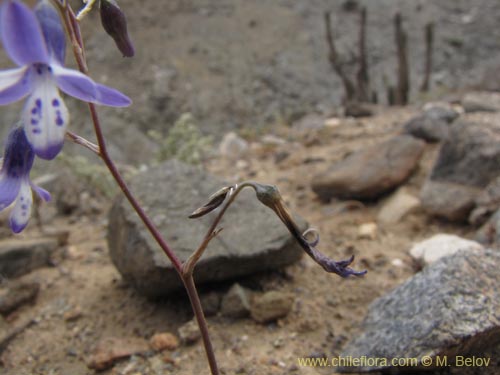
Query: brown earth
<point x="83" y="299"/>
<point x="267" y="64"/>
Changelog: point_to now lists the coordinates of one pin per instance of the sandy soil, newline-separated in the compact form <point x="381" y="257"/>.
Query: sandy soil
<point x="83" y="299"/>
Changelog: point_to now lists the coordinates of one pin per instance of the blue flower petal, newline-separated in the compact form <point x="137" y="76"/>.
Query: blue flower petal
<point x="9" y="188"/>
<point x="52" y="28"/>
<point x="74" y="83"/>
<point x="111" y="97"/>
<point x="21" y="212"/>
<point x="45" y="118"/>
<point x="15" y="84"/>
<point x="21" y="34"/>
<point x="42" y="193"/>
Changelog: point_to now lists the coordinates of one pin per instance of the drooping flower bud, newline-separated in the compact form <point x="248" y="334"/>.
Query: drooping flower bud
<point x="115" y="24"/>
<point x="213" y="202"/>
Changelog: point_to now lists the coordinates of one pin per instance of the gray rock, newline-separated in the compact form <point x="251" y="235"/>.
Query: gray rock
<point x="189" y="332"/>
<point x="233" y="146"/>
<point x="210" y="302"/>
<point x="471" y="154"/>
<point x="481" y="102"/>
<point x="448" y="200"/>
<point x="450" y="308"/>
<point x="433" y="123"/>
<point x="19" y="257"/>
<point x="308" y="123"/>
<point x="253" y="240"/>
<point x="236" y="302"/>
<point x="441" y="111"/>
<point x="356" y="109"/>
<point x="486" y="203"/>
<point x="17" y="294"/>
<point x="271" y="306"/>
<point x="397" y="206"/>
<point x="371" y="172"/>
<point x="489" y="233"/>
<point x="467" y="162"/>
<point x="441" y="245"/>
<point x="427" y="128"/>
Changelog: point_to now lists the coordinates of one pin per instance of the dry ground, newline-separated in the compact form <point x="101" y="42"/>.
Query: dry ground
<point x="83" y="298"/>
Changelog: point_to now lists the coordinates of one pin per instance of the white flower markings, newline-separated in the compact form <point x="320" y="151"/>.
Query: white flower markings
<point x="15" y="184"/>
<point x="35" y="41"/>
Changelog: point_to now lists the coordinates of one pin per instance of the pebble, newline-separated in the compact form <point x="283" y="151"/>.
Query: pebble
<point x="210" y="303"/>
<point x="236" y="302"/>
<point x="271" y="306"/>
<point x="164" y="341"/>
<point x="110" y="349"/>
<point x="367" y="231"/>
<point x="189" y="332"/>
<point x="17" y="294"/>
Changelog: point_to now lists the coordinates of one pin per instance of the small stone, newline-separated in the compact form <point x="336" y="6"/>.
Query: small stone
<point x="235" y="303"/>
<point x="19" y="257"/>
<point x="164" y="341"/>
<point x="371" y="171"/>
<point x="308" y="123"/>
<point x="440" y="245"/>
<point x="332" y="122"/>
<point x="271" y="306"/>
<point x="210" y="303"/>
<point x="272" y="140"/>
<point x="481" y="102"/>
<point x="109" y="350"/>
<point x="17" y="294"/>
<point x="448" y="200"/>
<point x="367" y="231"/>
<point x="73" y="314"/>
<point x="189" y="332"/>
<point x="232" y="146"/>
<point x="355" y="109"/>
<point x="399" y="205"/>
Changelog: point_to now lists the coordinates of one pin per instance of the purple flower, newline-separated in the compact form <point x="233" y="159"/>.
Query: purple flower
<point x="35" y="41"/>
<point x="15" y="184"/>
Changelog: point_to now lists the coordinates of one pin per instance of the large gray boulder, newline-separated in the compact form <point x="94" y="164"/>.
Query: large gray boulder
<point x="450" y="308"/>
<point x="371" y="172"/>
<point x="253" y="240"/>
<point x="467" y="162"/>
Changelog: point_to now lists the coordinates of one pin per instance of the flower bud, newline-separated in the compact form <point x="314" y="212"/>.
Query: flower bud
<point x="115" y="24"/>
<point x="213" y="202"/>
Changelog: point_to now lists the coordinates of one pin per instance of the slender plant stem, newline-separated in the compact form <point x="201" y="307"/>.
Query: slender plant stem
<point x="188" y="266"/>
<point x="202" y="323"/>
<point x="126" y="191"/>
<point x="78" y="50"/>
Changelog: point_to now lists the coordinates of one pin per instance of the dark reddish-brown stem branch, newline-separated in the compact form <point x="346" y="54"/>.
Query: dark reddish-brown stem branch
<point x="429" y="39"/>
<point x="333" y="57"/>
<point x="78" y="50"/>
<point x="403" y="86"/>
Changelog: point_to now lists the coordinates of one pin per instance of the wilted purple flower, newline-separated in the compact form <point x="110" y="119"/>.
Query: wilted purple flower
<point x="270" y="196"/>
<point x="35" y="41"/>
<point x="15" y="184"/>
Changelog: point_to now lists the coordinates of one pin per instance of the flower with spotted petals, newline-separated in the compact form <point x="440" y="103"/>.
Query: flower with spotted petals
<point x="15" y="184"/>
<point x="35" y="41"/>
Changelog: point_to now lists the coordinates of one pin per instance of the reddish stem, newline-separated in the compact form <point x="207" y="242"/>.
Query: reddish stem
<point x="78" y="50"/>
